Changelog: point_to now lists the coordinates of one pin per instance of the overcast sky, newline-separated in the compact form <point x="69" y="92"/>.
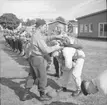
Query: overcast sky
<point x="69" y="9"/>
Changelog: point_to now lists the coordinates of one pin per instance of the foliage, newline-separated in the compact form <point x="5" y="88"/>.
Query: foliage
<point x="40" y="22"/>
<point x="29" y="22"/>
<point x="9" y="20"/>
<point x="60" y="19"/>
<point x="70" y="27"/>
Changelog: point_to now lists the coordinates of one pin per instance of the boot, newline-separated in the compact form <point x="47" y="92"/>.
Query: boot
<point x="76" y="93"/>
<point x="44" y="97"/>
<point x="64" y="89"/>
<point x="26" y="95"/>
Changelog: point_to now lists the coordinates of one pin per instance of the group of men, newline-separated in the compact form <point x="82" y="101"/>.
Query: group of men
<point x="17" y="40"/>
<point x="39" y="54"/>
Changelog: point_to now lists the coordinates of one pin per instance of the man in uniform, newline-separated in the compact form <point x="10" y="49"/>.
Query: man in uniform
<point x="38" y="61"/>
<point x="74" y="61"/>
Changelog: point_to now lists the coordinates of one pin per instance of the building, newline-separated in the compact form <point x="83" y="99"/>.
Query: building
<point x="93" y="25"/>
<point x="53" y="26"/>
<point x="1" y="28"/>
<point x="73" y="25"/>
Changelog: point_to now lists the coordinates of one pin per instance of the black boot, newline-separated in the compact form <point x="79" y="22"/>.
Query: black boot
<point x="64" y="89"/>
<point x="26" y="95"/>
<point x="44" y="97"/>
<point x="57" y="75"/>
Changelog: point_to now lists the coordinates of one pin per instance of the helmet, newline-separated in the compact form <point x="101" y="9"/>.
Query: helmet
<point x="88" y="87"/>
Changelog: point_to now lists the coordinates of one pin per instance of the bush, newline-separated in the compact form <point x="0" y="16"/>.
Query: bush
<point x="40" y="22"/>
<point x="60" y="19"/>
<point x="9" y="20"/>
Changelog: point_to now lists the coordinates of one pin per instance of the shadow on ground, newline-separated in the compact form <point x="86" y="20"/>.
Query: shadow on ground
<point x="16" y="57"/>
<point x="19" y="91"/>
<point x="16" y="87"/>
<point x="61" y="103"/>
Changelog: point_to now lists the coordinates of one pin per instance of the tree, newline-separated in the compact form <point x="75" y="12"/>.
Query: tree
<point x="70" y="27"/>
<point x="30" y="22"/>
<point x="40" y="22"/>
<point x="9" y="20"/>
<point x="60" y="19"/>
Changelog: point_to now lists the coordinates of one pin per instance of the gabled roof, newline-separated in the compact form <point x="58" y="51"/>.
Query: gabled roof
<point x="92" y="14"/>
<point x="57" y="21"/>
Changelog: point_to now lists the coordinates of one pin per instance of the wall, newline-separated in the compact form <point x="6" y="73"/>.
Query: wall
<point x="52" y="26"/>
<point x="95" y="20"/>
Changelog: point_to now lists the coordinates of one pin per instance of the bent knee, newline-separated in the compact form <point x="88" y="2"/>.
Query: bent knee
<point x="81" y="54"/>
<point x="76" y="75"/>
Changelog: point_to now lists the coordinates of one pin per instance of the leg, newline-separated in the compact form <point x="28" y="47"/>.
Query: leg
<point x="77" y="71"/>
<point x="15" y="46"/>
<point x="29" y="82"/>
<point x="56" y="64"/>
<point x="68" y="54"/>
<point x="39" y="65"/>
<point x="20" y="45"/>
<point x="12" y="42"/>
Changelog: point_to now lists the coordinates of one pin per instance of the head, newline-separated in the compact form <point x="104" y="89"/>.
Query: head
<point x="88" y="87"/>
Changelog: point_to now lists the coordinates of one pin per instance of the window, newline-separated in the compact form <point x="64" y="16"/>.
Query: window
<point x="85" y="28"/>
<point x="81" y="27"/>
<point x="90" y="27"/>
<point x="103" y="29"/>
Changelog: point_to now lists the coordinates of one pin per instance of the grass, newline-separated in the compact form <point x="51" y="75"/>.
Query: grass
<point x="95" y="63"/>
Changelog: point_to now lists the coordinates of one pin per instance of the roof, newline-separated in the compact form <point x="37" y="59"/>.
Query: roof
<point x="57" y="21"/>
<point x="92" y="14"/>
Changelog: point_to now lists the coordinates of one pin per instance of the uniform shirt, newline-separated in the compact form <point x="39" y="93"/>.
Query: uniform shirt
<point x="39" y="46"/>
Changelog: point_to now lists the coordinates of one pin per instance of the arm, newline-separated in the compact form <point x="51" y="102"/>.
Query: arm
<point x="53" y="37"/>
<point x="45" y="49"/>
<point x="76" y="46"/>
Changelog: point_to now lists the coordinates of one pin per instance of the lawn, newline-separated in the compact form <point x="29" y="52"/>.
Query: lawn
<point x="95" y="63"/>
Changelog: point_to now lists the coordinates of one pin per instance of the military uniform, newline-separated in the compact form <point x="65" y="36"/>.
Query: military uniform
<point x="38" y="62"/>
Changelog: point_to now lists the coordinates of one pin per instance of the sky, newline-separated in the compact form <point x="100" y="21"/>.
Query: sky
<point x="68" y="9"/>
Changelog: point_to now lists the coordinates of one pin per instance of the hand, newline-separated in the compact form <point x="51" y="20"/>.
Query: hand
<point x="57" y="45"/>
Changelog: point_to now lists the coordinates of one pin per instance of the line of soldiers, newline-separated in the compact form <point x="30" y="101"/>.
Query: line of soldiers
<point x="16" y="40"/>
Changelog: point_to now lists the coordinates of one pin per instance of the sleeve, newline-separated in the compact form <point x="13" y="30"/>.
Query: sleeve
<point x="52" y="37"/>
<point x="49" y="38"/>
<point x="46" y="49"/>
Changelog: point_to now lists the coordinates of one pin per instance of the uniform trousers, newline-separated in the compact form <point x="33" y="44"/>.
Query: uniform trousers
<point x="37" y="72"/>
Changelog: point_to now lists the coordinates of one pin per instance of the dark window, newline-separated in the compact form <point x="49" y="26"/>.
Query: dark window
<point x="81" y="27"/>
<point x="85" y="28"/>
<point x="101" y="27"/>
<point x="90" y="27"/>
<point x="105" y="27"/>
